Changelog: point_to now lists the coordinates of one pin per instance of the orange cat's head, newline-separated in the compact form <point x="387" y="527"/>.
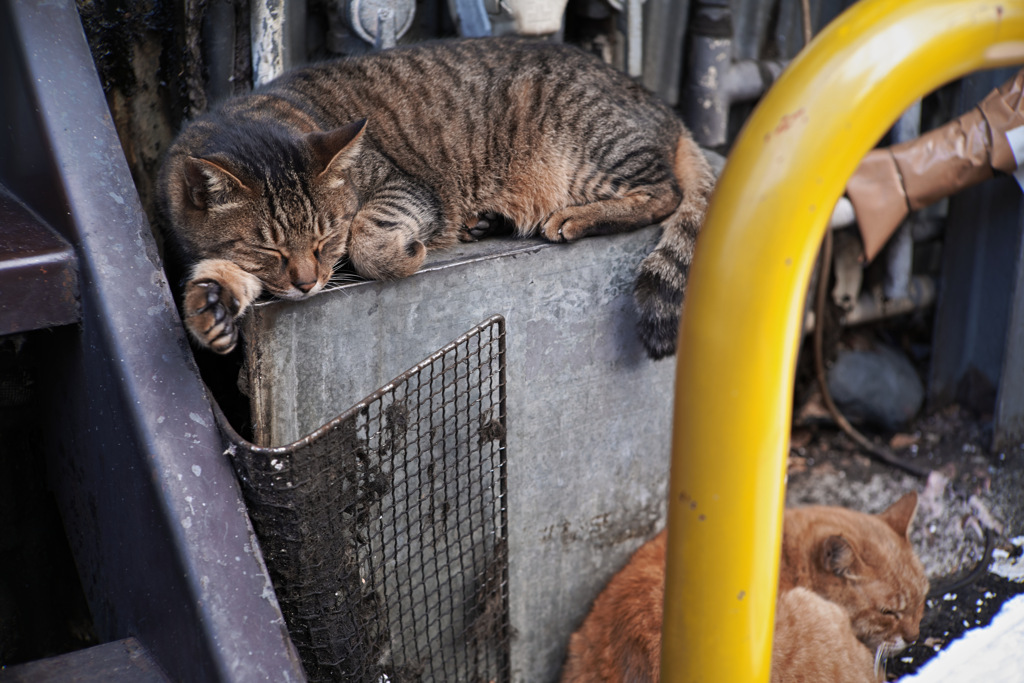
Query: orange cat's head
<point x="278" y="205"/>
<point x="863" y="563"/>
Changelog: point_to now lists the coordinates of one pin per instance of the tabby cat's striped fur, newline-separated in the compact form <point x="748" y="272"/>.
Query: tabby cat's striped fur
<point x="379" y="158"/>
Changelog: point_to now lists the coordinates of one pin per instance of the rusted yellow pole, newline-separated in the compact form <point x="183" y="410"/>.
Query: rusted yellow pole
<point x="744" y="303"/>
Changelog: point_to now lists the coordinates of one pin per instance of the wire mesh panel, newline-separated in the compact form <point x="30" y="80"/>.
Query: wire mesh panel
<point x="384" y="531"/>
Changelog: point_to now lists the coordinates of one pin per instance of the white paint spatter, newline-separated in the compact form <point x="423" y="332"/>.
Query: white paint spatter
<point x="197" y="470"/>
<point x="990" y="654"/>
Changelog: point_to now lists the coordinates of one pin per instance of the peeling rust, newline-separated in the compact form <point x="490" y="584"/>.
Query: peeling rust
<point x="787" y="122"/>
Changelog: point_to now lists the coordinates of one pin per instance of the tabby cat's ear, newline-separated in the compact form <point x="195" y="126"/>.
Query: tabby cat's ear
<point x="837" y="556"/>
<point x="210" y="185"/>
<point x="900" y="514"/>
<point x="336" y="150"/>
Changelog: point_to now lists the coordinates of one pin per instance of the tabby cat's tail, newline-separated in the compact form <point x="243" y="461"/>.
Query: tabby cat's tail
<point x="662" y="275"/>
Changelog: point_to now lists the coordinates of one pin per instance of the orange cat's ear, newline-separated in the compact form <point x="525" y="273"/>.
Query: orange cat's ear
<point x="335" y="150"/>
<point x="900" y="514"/>
<point x="837" y="556"/>
<point x="210" y="185"/>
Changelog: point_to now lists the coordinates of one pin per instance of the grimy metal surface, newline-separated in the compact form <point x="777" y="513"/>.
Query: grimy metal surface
<point x="150" y="504"/>
<point x="588" y="413"/>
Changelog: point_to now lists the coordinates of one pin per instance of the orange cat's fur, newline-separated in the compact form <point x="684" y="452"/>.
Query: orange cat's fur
<point x="620" y="639"/>
<point x="850" y="588"/>
<point x="864" y="563"/>
<point x="814" y="643"/>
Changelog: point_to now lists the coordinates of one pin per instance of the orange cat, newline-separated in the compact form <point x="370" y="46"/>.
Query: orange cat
<point x="863" y="563"/>
<point x="814" y="643"/>
<point x="850" y="588"/>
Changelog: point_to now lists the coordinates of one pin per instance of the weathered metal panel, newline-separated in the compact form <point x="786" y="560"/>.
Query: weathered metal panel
<point x="589" y="414"/>
<point x="664" y="40"/>
<point x="980" y="250"/>
<point x="1008" y="430"/>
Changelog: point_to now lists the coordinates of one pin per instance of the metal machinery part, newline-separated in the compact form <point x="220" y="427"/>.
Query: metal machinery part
<point x="473" y="16"/>
<point x="379" y="22"/>
<point x="397" y="510"/>
<point x="715" y="80"/>
<point x="634" y="34"/>
<point x="899" y="257"/>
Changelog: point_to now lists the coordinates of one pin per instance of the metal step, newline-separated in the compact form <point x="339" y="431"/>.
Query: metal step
<point x="38" y="272"/>
<point x="121" y="661"/>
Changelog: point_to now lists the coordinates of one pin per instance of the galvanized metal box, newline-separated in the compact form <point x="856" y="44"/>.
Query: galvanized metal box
<point x="588" y="414"/>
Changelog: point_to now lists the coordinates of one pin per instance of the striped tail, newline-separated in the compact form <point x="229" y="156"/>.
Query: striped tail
<point x="662" y="275"/>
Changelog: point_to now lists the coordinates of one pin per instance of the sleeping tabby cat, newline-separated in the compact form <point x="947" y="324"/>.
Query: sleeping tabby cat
<point x="378" y="158"/>
<point x="851" y="592"/>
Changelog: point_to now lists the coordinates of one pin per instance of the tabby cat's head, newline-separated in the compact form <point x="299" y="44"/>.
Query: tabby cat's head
<point x="276" y="204"/>
<point x="866" y="564"/>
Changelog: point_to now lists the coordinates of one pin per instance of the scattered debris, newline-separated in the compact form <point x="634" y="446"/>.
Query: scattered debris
<point x="1009" y="563"/>
<point x="900" y="441"/>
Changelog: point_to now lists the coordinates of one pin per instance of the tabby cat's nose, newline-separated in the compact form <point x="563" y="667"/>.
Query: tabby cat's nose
<point x="304" y="287"/>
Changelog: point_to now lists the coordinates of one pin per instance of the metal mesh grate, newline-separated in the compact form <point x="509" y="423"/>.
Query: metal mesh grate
<point x="385" y="530"/>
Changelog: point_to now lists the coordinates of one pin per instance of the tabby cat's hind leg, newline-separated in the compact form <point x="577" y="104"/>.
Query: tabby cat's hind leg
<point x="487" y="223"/>
<point x="637" y="208"/>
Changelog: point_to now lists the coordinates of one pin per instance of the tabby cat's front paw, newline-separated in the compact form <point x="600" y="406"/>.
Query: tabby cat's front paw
<point x="210" y="311"/>
<point x="563" y="226"/>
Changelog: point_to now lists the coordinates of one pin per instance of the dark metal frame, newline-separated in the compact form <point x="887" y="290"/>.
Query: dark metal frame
<point x="150" y="504"/>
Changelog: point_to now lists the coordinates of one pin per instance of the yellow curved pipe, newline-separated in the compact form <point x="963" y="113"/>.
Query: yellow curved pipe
<point x="744" y="306"/>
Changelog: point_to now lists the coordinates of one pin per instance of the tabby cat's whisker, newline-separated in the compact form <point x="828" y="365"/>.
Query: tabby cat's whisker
<point x="342" y="281"/>
<point x="336" y="288"/>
